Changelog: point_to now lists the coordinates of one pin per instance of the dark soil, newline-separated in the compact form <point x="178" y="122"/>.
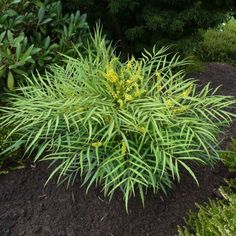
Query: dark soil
<point x="27" y="208"/>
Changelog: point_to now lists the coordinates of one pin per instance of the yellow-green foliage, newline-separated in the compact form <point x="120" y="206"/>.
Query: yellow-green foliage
<point x="220" y="44"/>
<point x="124" y="125"/>
<point x="217" y="218"/>
<point x="229" y="157"/>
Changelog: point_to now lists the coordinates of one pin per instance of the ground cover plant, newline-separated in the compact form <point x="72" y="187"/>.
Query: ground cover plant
<point x="130" y="125"/>
<point x="32" y="36"/>
<point x="215" y="218"/>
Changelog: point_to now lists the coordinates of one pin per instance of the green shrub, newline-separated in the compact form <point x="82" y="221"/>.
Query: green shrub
<point x="128" y="126"/>
<point x="219" y="44"/>
<point x="33" y="34"/>
<point x="196" y="65"/>
<point x="216" y="218"/>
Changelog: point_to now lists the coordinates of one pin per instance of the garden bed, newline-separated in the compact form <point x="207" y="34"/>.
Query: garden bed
<point x="27" y="208"/>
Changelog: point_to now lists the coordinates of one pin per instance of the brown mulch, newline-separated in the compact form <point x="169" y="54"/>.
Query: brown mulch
<point x="27" y="208"/>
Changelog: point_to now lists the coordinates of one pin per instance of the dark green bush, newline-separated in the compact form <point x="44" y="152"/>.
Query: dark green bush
<point x="33" y="34"/>
<point x="216" y="218"/>
<point x="219" y="44"/>
<point x="141" y="24"/>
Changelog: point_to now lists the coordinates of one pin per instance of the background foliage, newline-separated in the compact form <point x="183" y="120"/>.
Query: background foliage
<point x="141" y="24"/>
<point x="33" y="33"/>
<point x="219" y="44"/>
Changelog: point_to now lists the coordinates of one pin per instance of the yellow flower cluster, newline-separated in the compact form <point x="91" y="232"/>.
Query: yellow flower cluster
<point x="169" y="103"/>
<point x="111" y="76"/>
<point x="97" y="144"/>
<point x="179" y="110"/>
<point x="123" y="149"/>
<point x="142" y="129"/>
<point x="186" y="92"/>
<point x="124" y="82"/>
<point x="158" y="75"/>
<point x="129" y="65"/>
<point x="128" y="97"/>
<point x="182" y="95"/>
<point x="172" y="101"/>
<point x="159" y="80"/>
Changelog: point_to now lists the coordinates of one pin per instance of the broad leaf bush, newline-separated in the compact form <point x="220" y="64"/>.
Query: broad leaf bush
<point x="216" y="218"/>
<point x="33" y="34"/>
<point x="124" y="125"/>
